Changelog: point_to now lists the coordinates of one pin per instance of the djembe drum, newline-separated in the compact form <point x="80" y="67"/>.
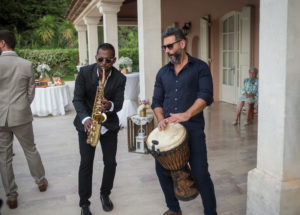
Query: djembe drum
<point x="170" y="148"/>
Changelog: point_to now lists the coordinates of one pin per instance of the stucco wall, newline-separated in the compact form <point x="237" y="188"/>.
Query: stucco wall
<point x="192" y="10"/>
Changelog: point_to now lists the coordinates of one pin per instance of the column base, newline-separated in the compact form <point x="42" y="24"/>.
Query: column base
<point x="269" y="195"/>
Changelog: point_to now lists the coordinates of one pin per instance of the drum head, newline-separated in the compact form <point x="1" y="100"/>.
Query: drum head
<point x="168" y="139"/>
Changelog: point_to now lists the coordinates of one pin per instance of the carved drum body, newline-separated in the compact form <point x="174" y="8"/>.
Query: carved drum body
<point x="170" y="148"/>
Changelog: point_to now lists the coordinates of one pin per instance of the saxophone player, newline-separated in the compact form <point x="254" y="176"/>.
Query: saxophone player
<point x="87" y="83"/>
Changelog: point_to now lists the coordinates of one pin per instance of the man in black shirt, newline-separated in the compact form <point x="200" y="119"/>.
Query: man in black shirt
<point x="183" y="88"/>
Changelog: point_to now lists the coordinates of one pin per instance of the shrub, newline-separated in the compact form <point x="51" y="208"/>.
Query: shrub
<point x="63" y="61"/>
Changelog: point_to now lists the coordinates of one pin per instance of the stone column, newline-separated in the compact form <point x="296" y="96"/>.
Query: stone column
<point x="150" y="56"/>
<point x="92" y="28"/>
<point x="109" y="10"/>
<point x="81" y="29"/>
<point x="274" y="185"/>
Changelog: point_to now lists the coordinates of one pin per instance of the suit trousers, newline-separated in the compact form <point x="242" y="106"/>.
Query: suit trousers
<point x="24" y="134"/>
<point x="199" y="168"/>
<point x="108" y="142"/>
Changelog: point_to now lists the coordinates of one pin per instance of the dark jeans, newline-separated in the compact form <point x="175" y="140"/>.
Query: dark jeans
<point x="199" y="167"/>
<point x="108" y="143"/>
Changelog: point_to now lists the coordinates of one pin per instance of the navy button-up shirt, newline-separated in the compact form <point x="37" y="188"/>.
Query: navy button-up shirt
<point x="176" y="94"/>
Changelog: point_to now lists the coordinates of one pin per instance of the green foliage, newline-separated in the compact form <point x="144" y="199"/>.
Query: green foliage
<point x="128" y="36"/>
<point x="128" y="44"/>
<point x="132" y="53"/>
<point x="46" y="29"/>
<point x="38" y="23"/>
<point x="56" y="74"/>
<point x="62" y="61"/>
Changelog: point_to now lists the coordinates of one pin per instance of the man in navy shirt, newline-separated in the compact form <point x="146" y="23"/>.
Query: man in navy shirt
<point x="183" y="88"/>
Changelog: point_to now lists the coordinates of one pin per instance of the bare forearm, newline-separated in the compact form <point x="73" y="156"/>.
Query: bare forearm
<point x="196" y="108"/>
<point x="159" y="113"/>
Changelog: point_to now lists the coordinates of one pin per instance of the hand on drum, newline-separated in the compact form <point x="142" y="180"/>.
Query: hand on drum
<point x="178" y="117"/>
<point x="162" y="124"/>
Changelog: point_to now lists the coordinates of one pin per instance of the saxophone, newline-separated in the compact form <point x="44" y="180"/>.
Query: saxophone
<point x="98" y="117"/>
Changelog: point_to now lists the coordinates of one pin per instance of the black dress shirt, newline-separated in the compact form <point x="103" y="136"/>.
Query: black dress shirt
<point x="177" y="93"/>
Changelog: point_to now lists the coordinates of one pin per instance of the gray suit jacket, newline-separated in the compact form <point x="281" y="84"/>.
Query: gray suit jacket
<point x="16" y="89"/>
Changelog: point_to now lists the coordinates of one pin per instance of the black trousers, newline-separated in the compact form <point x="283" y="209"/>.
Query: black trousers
<point x="108" y="142"/>
<point x="199" y="168"/>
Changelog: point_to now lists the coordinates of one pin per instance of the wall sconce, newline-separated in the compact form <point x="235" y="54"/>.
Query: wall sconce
<point x="186" y="27"/>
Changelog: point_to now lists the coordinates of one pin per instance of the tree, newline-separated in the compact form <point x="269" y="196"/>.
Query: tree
<point x="47" y="28"/>
<point x="25" y="18"/>
<point x="128" y="36"/>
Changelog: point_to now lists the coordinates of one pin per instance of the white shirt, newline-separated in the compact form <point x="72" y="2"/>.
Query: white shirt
<point x="103" y="128"/>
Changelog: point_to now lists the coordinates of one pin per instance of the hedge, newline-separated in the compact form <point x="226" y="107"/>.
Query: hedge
<point x="64" y="61"/>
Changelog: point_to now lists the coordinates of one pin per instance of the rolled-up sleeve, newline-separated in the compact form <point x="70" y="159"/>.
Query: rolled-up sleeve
<point x="205" y="85"/>
<point x="158" y="94"/>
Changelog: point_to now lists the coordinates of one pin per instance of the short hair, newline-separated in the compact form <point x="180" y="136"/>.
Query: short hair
<point x="9" y="38"/>
<point x="105" y="46"/>
<point x="177" y="32"/>
<point x="254" y="69"/>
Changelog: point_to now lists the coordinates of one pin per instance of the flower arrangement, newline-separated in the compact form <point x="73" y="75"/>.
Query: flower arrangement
<point x="125" y="64"/>
<point x="43" y="69"/>
<point x="124" y="61"/>
<point x="144" y="104"/>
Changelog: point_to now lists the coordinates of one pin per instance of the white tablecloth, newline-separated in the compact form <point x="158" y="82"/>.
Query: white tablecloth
<point x="51" y="101"/>
<point x="131" y="94"/>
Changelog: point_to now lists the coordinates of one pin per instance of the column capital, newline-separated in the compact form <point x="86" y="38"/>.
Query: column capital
<point x="80" y="28"/>
<point x="112" y="7"/>
<point x="91" y="20"/>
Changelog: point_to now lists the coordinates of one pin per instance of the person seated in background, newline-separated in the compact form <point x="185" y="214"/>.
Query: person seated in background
<point x="248" y="97"/>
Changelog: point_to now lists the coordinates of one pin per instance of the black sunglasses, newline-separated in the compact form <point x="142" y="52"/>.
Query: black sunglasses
<point x="169" y="46"/>
<point x="107" y="60"/>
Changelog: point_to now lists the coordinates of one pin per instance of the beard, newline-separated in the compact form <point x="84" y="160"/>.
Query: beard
<point x="175" y="58"/>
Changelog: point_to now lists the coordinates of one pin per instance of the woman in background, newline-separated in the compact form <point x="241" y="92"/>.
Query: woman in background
<point x="248" y="97"/>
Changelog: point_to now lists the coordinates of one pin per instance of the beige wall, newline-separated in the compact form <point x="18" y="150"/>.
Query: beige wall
<point x="192" y="10"/>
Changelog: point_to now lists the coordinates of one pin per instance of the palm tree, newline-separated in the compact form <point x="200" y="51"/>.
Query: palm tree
<point x="68" y="33"/>
<point x="47" y="28"/>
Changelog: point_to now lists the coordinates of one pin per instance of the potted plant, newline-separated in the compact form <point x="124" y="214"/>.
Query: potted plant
<point x="43" y="69"/>
<point x="144" y="105"/>
<point x="125" y="64"/>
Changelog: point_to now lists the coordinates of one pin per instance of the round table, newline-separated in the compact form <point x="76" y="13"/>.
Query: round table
<point x="51" y="101"/>
<point x="130" y="105"/>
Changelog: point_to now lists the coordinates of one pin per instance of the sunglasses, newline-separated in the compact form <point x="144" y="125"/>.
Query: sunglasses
<point x="169" y="46"/>
<point x="107" y="60"/>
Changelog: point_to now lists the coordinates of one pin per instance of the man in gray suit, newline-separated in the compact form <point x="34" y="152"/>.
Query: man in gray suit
<point x="16" y="94"/>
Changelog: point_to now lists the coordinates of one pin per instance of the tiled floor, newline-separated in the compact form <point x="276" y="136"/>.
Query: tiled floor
<point x="231" y="154"/>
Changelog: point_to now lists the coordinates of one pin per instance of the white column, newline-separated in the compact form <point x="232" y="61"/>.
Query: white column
<point x="81" y="29"/>
<point x="274" y="185"/>
<point x="109" y="10"/>
<point x="150" y="56"/>
<point x="92" y="28"/>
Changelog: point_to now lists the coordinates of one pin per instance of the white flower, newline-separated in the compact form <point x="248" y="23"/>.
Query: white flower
<point x="125" y="61"/>
<point x="141" y="107"/>
<point x="43" y="67"/>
